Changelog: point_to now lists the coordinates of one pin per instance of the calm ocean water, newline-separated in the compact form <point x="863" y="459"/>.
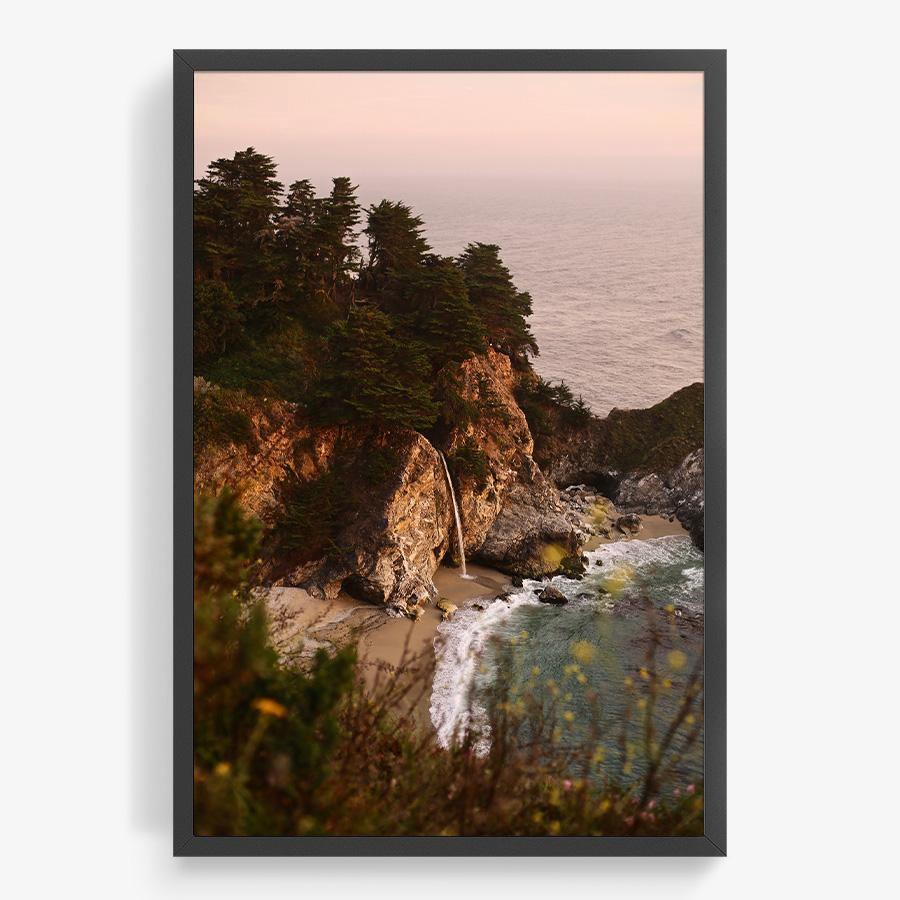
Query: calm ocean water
<point x="615" y="273"/>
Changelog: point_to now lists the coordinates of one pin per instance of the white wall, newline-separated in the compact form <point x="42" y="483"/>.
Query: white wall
<point x="85" y="358"/>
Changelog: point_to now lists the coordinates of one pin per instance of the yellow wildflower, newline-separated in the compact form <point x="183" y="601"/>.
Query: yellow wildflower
<point x="582" y="679"/>
<point x="627" y="681"/>
<point x="222" y="768"/>
<point x="269" y="707"/>
<point x="535" y="671"/>
<point x="645" y="674"/>
<point x="584" y="652"/>
<point x="677" y="659"/>
<point x="554" y="827"/>
<point x="569" y="716"/>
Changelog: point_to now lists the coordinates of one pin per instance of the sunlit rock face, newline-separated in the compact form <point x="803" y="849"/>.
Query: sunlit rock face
<point x="511" y="515"/>
<point x="388" y="498"/>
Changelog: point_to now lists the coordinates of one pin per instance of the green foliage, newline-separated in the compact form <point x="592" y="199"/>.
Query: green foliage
<point x="502" y="308"/>
<point x="374" y="374"/>
<point x="548" y="406"/>
<point x="576" y="414"/>
<point x="284" y="308"/>
<point x="655" y="439"/>
<point x="225" y="541"/>
<point x="277" y="361"/>
<point x="316" y="246"/>
<point x="234" y="212"/>
<point x="313" y="513"/>
<point x="396" y="244"/>
<point x="254" y="762"/>
<point x="221" y="417"/>
<point x="217" y="318"/>
<point x="441" y="314"/>
<point x="469" y="460"/>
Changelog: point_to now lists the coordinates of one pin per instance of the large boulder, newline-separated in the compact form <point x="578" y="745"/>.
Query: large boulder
<point x="532" y="535"/>
<point x="553" y="596"/>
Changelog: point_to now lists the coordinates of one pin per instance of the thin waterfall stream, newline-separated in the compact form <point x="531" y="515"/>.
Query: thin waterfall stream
<point x="459" y="531"/>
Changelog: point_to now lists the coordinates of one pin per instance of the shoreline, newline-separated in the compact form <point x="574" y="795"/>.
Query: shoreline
<point x="387" y="644"/>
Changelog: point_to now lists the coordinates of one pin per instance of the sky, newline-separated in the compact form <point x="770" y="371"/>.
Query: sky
<point x="599" y="127"/>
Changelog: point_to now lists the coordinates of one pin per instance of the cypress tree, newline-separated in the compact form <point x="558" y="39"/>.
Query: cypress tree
<point x="235" y="207"/>
<point x="374" y="374"/>
<point x="502" y="308"/>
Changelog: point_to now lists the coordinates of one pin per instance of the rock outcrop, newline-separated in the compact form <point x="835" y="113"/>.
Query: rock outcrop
<point x="377" y="502"/>
<point x="676" y="493"/>
<point x="512" y="517"/>
<point x="367" y="510"/>
<point x="531" y="536"/>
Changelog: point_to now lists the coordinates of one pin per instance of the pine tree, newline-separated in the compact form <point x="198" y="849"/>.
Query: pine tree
<point x="340" y="215"/>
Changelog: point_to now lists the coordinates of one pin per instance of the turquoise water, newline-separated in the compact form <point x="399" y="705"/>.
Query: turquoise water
<point x="588" y="654"/>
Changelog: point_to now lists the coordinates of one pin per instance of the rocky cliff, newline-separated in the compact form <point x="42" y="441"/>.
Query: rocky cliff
<point x="646" y="460"/>
<point x="367" y="510"/>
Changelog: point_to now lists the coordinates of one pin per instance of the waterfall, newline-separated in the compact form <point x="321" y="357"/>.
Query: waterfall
<point x="459" y="532"/>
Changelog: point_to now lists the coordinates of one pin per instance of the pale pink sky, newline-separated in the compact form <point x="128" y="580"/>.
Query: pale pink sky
<point x="599" y="127"/>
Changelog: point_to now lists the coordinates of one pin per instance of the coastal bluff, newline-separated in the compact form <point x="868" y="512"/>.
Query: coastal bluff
<point x="367" y="509"/>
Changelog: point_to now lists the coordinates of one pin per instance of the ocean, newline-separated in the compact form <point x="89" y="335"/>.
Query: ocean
<point x="592" y="655"/>
<point x="615" y="274"/>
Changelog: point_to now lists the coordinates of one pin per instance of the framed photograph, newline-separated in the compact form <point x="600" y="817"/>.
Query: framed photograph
<point x="449" y="452"/>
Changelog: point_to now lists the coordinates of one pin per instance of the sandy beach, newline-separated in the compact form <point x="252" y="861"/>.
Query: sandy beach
<point x="651" y="527"/>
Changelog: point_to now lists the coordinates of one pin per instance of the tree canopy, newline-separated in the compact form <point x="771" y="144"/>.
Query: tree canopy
<point x="380" y="326"/>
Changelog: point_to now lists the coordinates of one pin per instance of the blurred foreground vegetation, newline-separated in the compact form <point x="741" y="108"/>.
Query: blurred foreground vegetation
<point x="287" y="751"/>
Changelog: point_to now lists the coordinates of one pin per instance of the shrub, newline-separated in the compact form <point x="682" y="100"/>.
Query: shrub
<point x="469" y="459"/>
<point x="221" y="417"/>
<point x="217" y="318"/>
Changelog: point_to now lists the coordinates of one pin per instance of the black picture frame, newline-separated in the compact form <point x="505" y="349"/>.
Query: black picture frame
<point x="712" y="63"/>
